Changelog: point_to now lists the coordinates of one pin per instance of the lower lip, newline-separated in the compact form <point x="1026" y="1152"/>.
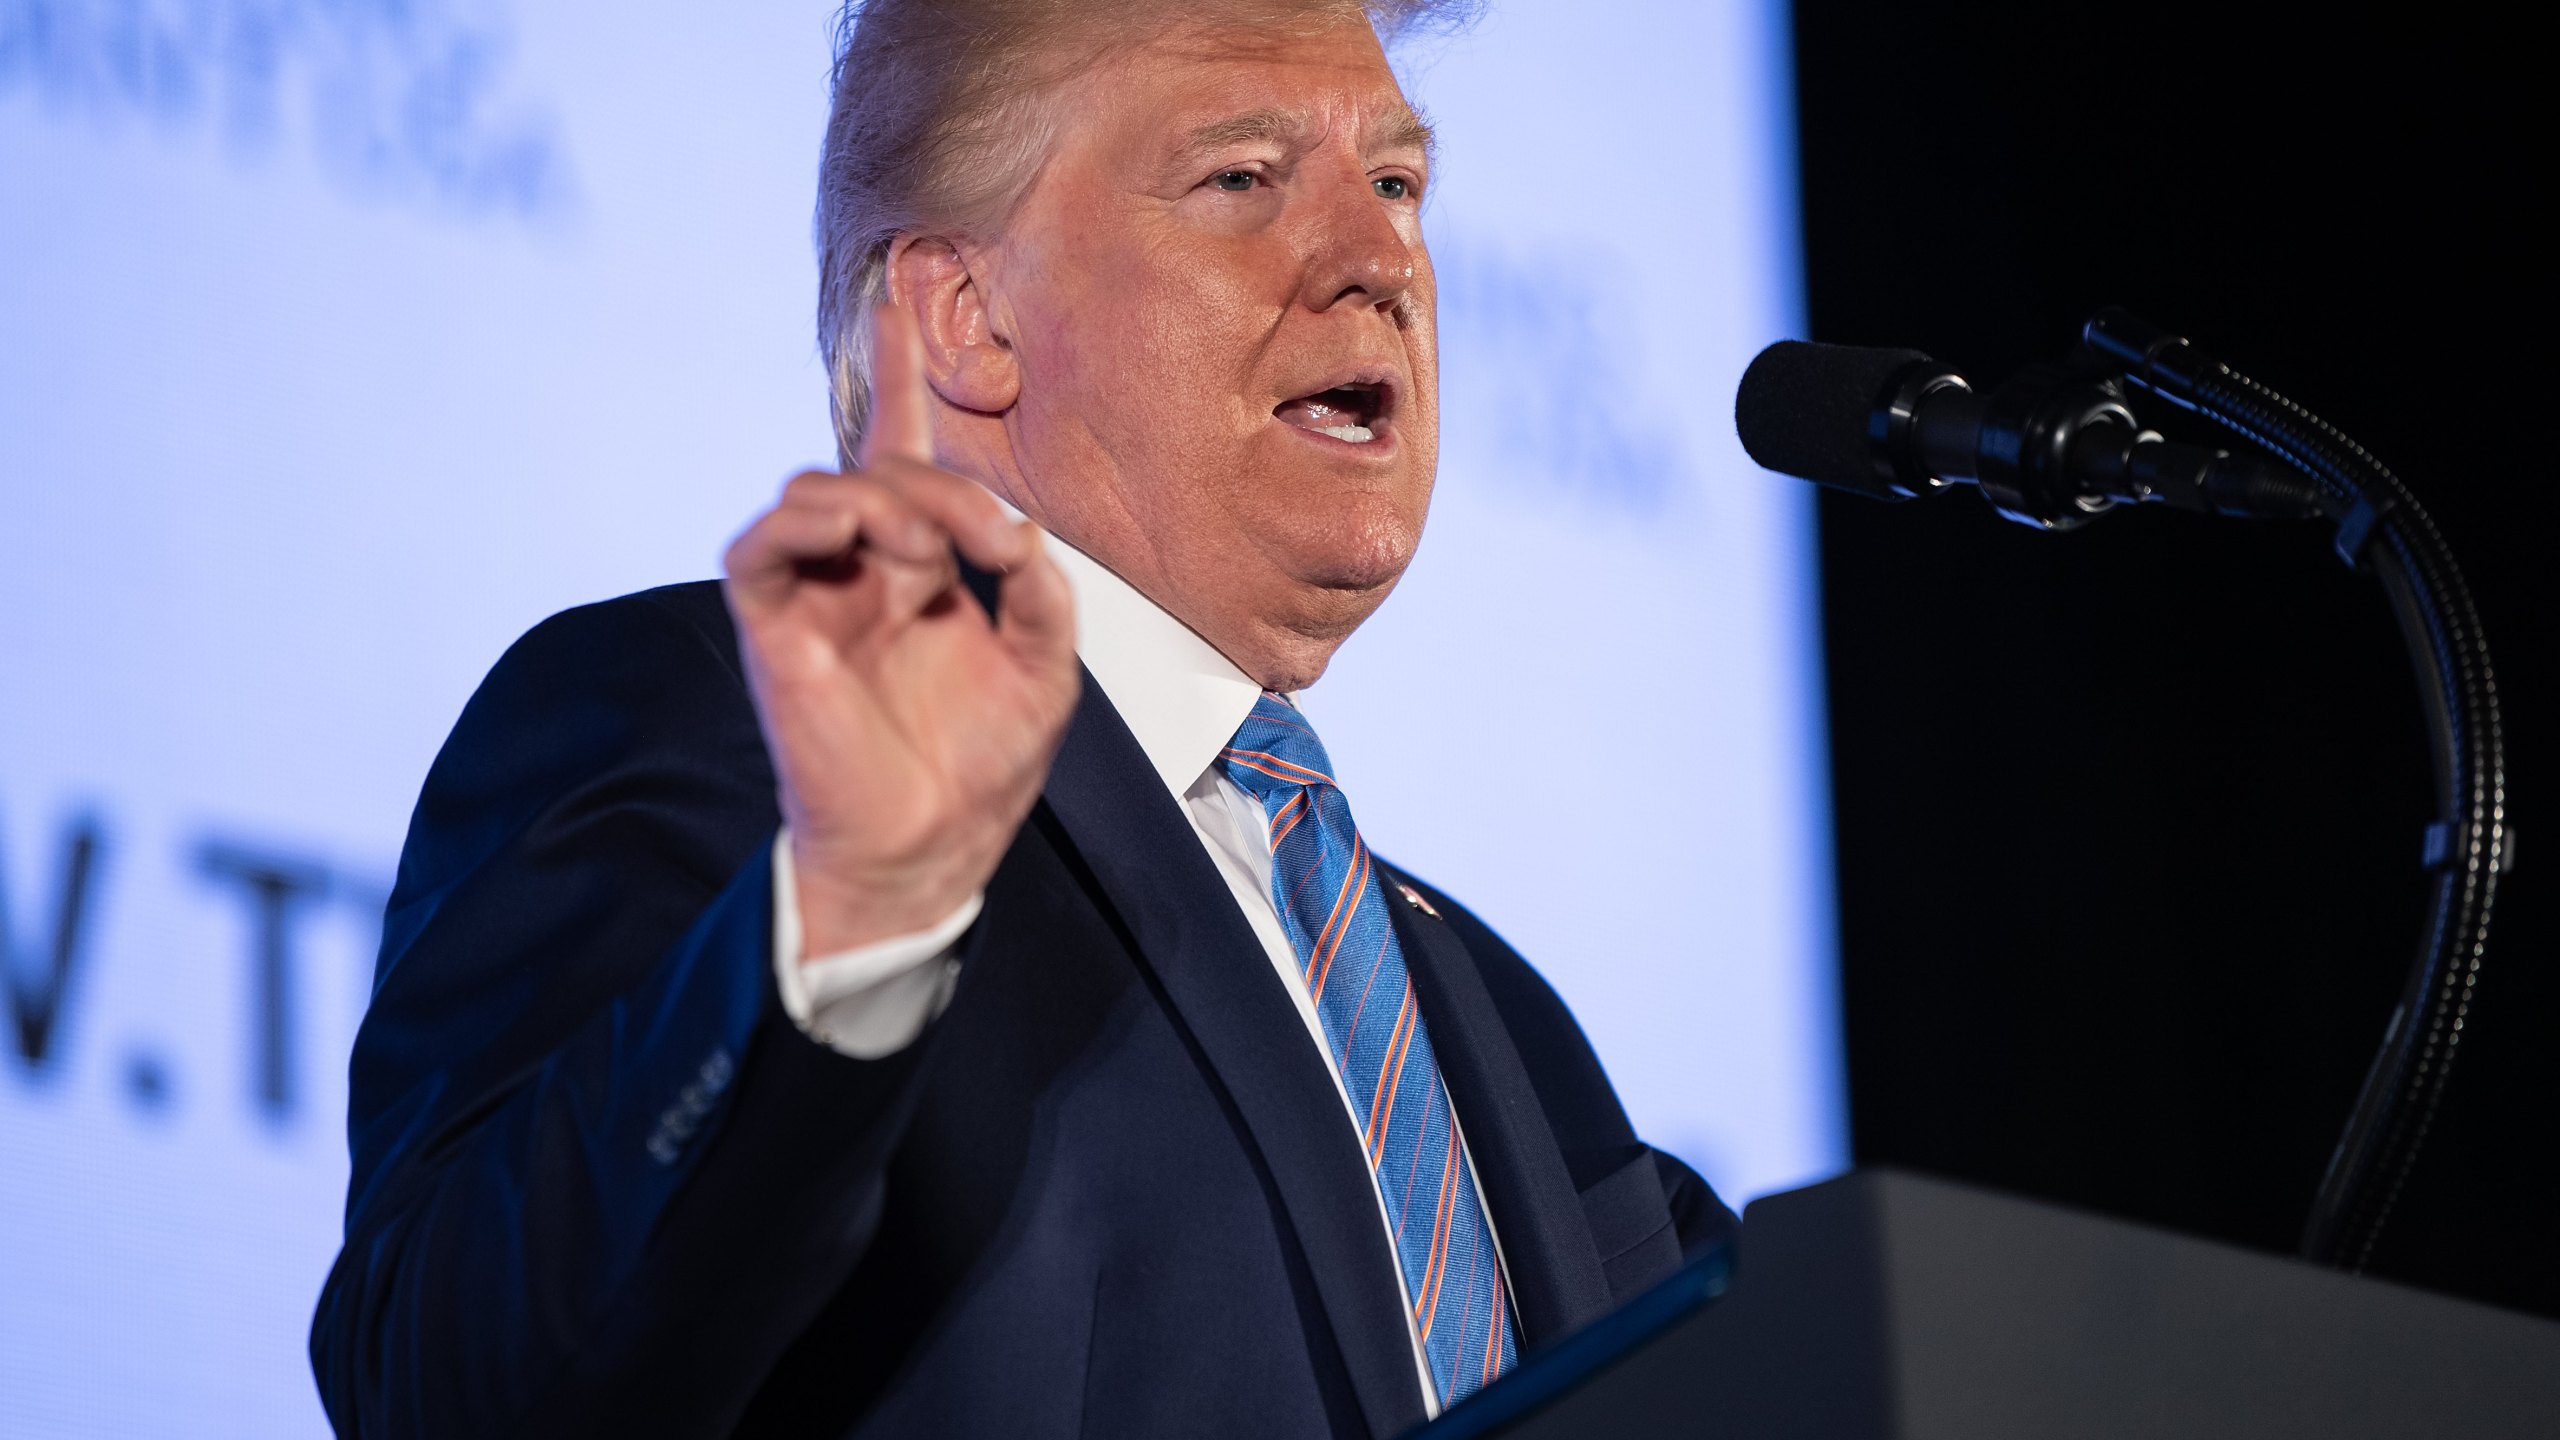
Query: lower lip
<point x="1381" y="444"/>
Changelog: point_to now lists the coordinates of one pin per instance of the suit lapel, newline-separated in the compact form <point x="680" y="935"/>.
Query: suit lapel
<point x="1155" y="875"/>
<point x="1556" y="1279"/>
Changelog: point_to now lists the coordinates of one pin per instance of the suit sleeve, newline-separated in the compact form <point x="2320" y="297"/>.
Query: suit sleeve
<point x="599" y="1177"/>
<point x="1704" y="1222"/>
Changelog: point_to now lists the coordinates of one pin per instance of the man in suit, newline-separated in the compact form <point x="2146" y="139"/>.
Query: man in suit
<point x="931" y="983"/>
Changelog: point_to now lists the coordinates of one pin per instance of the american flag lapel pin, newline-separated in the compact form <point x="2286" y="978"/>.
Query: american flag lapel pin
<point x="1414" y="898"/>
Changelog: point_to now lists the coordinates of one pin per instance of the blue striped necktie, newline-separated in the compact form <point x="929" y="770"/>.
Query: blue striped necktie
<point x="1335" y="912"/>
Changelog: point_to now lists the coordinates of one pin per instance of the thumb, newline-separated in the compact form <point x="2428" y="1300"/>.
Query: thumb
<point x="1037" y="609"/>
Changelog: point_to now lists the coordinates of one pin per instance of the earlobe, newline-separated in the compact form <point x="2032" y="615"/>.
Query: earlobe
<point x="967" y="359"/>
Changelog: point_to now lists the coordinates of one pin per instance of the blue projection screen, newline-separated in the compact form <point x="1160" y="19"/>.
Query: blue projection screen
<point x="340" y="342"/>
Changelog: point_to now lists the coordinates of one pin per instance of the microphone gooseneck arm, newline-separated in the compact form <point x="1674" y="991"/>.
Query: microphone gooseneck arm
<point x="2381" y="528"/>
<point x="2055" y="447"/>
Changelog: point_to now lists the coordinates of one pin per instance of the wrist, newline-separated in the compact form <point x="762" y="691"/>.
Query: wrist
<point x="845" y="905"/>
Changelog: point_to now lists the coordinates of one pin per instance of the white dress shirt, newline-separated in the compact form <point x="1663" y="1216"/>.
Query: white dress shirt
<point x="1182" y="700"/>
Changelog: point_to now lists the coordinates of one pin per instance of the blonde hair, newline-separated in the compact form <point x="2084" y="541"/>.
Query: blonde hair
<point x="937" y="124"/>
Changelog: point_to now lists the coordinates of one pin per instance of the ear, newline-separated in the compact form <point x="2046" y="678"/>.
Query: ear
<point x="968" y="361"/>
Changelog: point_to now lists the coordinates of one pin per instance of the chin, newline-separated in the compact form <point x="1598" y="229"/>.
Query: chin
<point x="1357" y="543"/>
<point x="1364" y="557"/>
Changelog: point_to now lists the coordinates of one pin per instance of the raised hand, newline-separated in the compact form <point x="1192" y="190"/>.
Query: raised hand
<point x="910" y="734"/>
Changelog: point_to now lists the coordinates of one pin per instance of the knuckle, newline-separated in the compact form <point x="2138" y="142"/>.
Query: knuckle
<point x="927" y="483"/>
<point x="898" y="481"/>
<point x="815" y="485"/>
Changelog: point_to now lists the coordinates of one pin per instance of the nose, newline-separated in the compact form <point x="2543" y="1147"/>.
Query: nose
<point x="1356" y="252"/>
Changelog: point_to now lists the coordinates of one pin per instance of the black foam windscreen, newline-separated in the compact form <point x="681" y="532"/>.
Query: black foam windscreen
<point x="1802" y="410"/>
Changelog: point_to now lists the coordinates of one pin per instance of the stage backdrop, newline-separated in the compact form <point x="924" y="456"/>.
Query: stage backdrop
<point x="341" y="342"/>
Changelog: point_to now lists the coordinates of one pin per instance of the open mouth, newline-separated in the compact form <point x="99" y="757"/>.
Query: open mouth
<point x="1354" y="412"/>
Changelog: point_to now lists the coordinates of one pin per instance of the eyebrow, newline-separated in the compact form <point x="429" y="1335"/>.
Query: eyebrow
<point x="1397" y="128"/>
<point x="1404" y="128"/>
<point x="1263" y="124"/>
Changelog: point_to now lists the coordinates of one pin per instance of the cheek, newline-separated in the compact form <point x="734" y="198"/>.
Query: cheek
<point x="1204" y="320"/>
<point x="1145" y="342"/>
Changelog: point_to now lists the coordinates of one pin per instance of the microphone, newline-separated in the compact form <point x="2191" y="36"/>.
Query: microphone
<point x="2057" y="446"/>
<point x="2045" y="448"/>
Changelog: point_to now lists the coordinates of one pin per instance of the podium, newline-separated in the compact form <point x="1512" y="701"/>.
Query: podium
<point x="1889" y="1306"/>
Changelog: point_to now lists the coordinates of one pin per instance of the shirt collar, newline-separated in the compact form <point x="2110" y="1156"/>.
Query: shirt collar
<point x="1179" y="696"/>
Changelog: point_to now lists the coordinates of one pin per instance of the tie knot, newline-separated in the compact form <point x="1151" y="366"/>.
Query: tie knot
<point x="1275" y="751"/>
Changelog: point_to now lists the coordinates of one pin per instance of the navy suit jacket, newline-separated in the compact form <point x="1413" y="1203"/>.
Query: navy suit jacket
<point x="603" y="1185"/>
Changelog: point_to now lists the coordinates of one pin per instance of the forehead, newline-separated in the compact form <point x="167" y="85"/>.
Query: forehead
<point x="1201" y="86"/>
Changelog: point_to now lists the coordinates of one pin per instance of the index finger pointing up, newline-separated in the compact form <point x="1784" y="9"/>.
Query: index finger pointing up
<point x="901" y="417"/>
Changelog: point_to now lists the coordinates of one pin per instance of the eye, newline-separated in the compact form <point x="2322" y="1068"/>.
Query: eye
<point x="1392" y="187"/>
<point x="1234" y="182"/>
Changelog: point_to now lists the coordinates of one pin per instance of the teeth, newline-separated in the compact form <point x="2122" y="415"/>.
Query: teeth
<point x="1356" y="434"/>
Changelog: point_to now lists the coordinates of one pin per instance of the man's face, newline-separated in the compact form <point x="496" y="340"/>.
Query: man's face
<point x="1218" y="297"/>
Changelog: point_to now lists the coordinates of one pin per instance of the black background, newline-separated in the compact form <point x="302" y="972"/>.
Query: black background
<point x="2129" y="819"/>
